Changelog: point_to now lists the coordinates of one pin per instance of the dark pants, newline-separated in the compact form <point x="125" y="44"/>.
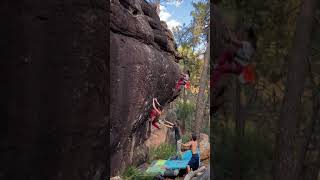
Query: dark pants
<point x="194" y="162"/>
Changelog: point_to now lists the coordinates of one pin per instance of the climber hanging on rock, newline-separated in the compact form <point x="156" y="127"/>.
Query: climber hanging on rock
<point x="155" y="114"/>
<point x="233" y="60"/>
<point x="184" y="81"/>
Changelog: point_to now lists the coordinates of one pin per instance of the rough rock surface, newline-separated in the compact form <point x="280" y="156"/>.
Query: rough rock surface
<point x="143" y="66"/>
<point x="157" y="137"/>
<point x="204" y="147"/>
<point x="53" y="105"/>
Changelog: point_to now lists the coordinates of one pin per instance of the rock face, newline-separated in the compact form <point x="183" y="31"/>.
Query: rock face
<point x="143" y="66"/>
<point x="53" y="90"/>
<point x="204" y="146"/>
<point x="157" y="137"/>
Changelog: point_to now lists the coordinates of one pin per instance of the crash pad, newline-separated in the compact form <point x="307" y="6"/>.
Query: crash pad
<point x="176" y="164"/>
<point x="160" y="166"/>
<point x="157" y="167"/>
<point x="186" y="155"/>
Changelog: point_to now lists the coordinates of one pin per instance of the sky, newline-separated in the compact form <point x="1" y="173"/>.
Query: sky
<point x="176" y="13"/>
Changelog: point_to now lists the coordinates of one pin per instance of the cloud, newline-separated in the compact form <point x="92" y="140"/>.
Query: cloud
<point x="166" y="16"/>
<point x="175" y="3"/>
<point x="173" y="23"/>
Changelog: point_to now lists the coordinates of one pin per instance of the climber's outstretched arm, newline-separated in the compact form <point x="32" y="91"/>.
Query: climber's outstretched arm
<point x="168" y="122"/>
<point x="168" y="126"/>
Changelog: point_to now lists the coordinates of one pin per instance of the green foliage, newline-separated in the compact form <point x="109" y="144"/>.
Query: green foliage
<point x="133" y="173"/>
<point x="191" y="62"/>
<point x="185" y="113"/>
<point x="164" y="151"/>
<point x="185" y="138"/>
<point x="255" y="149"/>
<point x="200" y="22"/>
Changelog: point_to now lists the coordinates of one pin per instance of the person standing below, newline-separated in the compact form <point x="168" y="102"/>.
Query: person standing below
<point x="194" y="161"/>
<point x="177" y="137"/>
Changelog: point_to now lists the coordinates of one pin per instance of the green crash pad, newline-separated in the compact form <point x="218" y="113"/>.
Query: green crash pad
<point x="157" y="167"/>
<point x="160" y="166"/>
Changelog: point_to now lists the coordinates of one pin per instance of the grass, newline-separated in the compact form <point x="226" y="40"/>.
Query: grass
<point x="133" y="173"/>
<point x="164" y="151"/>
<point x="185" y="138"/>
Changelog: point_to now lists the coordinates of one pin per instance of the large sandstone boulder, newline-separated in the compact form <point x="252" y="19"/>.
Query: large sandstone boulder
<point x="143" y="66"/>
<point x="204" y="146"/>
<point x="158" y="137"/>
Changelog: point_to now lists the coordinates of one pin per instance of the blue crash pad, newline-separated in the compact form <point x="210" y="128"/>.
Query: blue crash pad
<point x="186" y="155"/>
<point x="176" y="164"/>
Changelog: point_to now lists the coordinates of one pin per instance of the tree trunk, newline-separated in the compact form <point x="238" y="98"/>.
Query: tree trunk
<point x="286" y="161"/>
<point x="203" y="82"/>
<point x="239" y="129"/>
<point x="311" y="128"/>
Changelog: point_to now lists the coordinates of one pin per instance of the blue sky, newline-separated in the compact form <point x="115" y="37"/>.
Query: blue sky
<point x="176" y="13"/>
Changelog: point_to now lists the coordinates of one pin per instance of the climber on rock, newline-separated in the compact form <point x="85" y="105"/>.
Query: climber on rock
<point x="155" y="113"/>
<point x="233" y="60"/>
<point x="183" y="81"/>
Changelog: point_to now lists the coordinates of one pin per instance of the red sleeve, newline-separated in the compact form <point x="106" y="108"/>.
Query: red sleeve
<point x="155" y="125"/>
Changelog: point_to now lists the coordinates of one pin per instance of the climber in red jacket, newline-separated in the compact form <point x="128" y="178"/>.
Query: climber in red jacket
<point x="183" y="81"/>
<point x="234" y="60"/>
<point x="155" y="113"/>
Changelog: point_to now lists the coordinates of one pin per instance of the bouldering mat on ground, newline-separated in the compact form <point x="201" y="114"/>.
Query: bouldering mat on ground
<point x="160" y="166"/>
<point x="176" y="164"/>
<point x="157" y="167"/>
<point x="186" y="155"/>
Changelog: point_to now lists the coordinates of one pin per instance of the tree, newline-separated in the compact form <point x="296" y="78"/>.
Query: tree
<point x="286" y="163"/>
<point x="201" y="33"/>
<point x="203" y="82"/>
